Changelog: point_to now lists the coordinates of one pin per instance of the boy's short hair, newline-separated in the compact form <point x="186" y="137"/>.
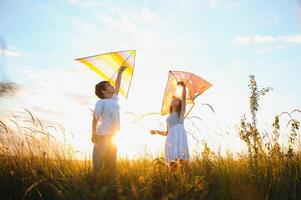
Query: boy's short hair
<point x="99" y="87"/>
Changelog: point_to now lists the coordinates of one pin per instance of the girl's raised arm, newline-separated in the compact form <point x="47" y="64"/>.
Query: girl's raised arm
<point x="183" y="106"/>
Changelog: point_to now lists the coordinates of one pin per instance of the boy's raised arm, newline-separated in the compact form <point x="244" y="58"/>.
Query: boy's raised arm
<point x="118" y="79"/>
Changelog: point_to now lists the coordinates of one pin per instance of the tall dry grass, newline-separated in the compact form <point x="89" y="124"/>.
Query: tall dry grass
<point x="36" y="166"/>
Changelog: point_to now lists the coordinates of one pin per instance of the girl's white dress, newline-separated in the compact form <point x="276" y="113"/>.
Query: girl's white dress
<point x="176" y="145"/>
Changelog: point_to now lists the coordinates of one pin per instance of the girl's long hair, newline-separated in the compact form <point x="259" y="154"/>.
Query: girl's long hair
<point x="179" y="107"/>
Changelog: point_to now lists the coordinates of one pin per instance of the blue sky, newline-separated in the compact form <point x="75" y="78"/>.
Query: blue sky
<point x="221" y="40"/>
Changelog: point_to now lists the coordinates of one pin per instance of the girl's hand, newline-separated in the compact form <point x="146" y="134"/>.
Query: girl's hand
<point x="153" y="132"/>
<point x="122" y="68"/>
<point x="181" y="83"/>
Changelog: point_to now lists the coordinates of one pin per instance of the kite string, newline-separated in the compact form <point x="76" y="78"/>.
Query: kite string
<point x="140" y="117"/>
<point x="189" y="110"/>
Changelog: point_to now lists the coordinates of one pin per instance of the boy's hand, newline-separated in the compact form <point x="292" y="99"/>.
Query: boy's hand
<point x="153" y="132"/>
<point x="122" y="68"/>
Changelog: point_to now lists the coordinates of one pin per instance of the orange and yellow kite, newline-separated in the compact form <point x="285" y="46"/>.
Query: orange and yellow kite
<point x="195" y="86"/>
<point x="107" y="66"/>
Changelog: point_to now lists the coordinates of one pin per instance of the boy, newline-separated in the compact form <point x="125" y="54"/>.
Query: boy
<point x="105" y="125"/>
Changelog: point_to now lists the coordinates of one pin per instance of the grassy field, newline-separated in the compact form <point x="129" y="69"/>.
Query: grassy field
<point x="33" y="166"/>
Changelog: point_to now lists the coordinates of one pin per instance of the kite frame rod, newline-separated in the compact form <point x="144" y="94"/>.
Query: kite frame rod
<point x="171" y="71"/>
<point x="121" y="66"/>
<point x="104" y="54"/>
<point x="193" y="104"/>
<point x="127" y="94"/>
<point x="198" y="94"/>
<point x="165" y="92"/>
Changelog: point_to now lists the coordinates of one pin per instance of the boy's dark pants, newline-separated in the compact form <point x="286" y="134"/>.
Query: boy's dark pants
<point x="104" y="162"/>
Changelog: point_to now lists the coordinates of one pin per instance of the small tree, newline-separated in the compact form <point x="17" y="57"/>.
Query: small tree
<point x="295" y="125"/>
<point x="248" y="130"/>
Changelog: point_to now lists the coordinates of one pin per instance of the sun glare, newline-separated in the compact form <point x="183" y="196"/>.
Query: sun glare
<point x="116" y="141"/>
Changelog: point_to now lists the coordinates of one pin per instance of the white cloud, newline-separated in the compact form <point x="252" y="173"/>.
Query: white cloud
<point x="224" y="5"/>
<point x="136" y="28"/>
<point x="294" y="38"/>
<point x="212" y="2"/>
<point x="269" y="49"/>
<point x="255" y="39"/>
<point x="83" y="26"/>
<point x="73" y="1"/>
<point x="147" y="16"/>
<point x="14" y="53"/>
<point x="129" y="26"/>
<point x="259" y="39"/>
<point x="122" y="20"/>
<point x="87" y="3"/>
<point x="235" y="62"/>
<point x="276" y="18"/>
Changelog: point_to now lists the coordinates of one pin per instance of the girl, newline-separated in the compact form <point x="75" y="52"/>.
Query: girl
<point x="176" y="145"/>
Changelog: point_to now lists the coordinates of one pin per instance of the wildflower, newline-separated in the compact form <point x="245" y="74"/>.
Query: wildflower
<point x="199" y="182"/>
<point x="134" y="191"/>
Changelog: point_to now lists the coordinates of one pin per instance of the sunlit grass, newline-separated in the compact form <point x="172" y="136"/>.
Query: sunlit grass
<point x="35" y="165"/>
